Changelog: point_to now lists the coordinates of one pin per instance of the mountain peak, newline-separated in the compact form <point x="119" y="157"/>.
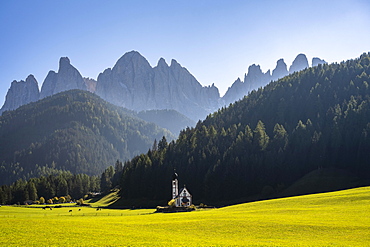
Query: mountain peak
<point x="280" y="70"/>
<point x="64" y="61"/>
<point x="68" y="77"/>
<point x="162" y="63"/>
<point x="21" y="93"/>
<point x="174" y="63"/>
<point x="316" y="61"/>
<point x="132" y="58"/>
<point x="130" y="55"/>
<point x="31" y="78"/>
<point x="299" y="63"/>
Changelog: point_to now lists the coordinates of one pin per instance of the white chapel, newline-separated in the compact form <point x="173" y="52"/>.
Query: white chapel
<point x="182" y="198"/>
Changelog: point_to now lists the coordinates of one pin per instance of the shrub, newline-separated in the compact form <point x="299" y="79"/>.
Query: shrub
<point x="42" y="200"/>
<point x="172" y="203"/>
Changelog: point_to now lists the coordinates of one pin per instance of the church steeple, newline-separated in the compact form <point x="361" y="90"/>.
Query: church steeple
<point x="175" y="185"/>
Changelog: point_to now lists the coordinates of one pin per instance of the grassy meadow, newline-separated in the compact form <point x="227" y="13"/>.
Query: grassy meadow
<point x="329" y="219"/>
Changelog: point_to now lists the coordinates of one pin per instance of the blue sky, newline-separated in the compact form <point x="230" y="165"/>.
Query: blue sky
<point x="215" y="40"/>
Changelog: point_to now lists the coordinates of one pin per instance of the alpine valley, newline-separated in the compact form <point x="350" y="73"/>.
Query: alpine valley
<point x="288" y="132"/>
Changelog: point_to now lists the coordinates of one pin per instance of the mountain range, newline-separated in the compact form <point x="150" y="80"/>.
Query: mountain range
<point x="132" y="83"/>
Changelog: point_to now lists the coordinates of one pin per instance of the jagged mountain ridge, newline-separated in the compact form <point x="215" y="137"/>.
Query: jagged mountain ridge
<point x="255" y="78"/>
<point x="134" y="84"/>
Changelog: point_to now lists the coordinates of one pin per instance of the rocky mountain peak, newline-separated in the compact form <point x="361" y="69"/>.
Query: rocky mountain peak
<point x="238" y="81"/>
<point x="132" y="60"/>
<point x="31" y="79"/>
<point x="21" y="93"/>
<point x="254" y="70"/>
<point x="64" y="61"/>
<point x="280" y="70"/>
<point x="67" y="78"/>
<point x="299" y="63"/>
<point x="162" y="63"/>
<point x="175" y="64"/>
<point x="316" y="61"/>
<point x="235" y="92"/>
<point x="134" y="84"/>
<point x="127" y="83"/>
<point x="255" y="78"/>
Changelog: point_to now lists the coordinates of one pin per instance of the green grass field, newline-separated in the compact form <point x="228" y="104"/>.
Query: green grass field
<point x="330" y="219"/>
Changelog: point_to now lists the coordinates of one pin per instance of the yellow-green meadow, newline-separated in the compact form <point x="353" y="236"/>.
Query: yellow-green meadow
<point x="329" y="219"/>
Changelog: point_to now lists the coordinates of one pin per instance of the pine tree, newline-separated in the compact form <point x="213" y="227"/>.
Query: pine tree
<point x="260" y="137"/>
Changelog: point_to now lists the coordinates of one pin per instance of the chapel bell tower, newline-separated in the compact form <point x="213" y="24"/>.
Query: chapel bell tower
<point x="175" y="185"/>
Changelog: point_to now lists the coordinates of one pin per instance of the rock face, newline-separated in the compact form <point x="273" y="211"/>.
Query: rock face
<point x="124" y="85"/>
<point x="21" y="93"/>
<point x="235" y="92"/>
<point x="316" y="61"/>
<point x="134" y="84"/>
<point x="280" y="71"/>
<point x="90" y="84"/>
<point x="256" y="78"/>
<point x="299" y="63"/>
<point x="67" y="78"/>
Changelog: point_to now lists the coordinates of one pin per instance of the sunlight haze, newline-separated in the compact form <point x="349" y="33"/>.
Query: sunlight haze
<point x="215" y="40"/>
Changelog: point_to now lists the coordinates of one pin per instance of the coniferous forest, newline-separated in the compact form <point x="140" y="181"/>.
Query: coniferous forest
<point x="72" y="131"/>
<point x="316" y="119"/>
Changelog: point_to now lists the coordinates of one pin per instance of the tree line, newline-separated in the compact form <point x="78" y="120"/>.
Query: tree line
<point x="60" y="186"/>
<point x="75" y="131"/>
<point x="313" y="119"/>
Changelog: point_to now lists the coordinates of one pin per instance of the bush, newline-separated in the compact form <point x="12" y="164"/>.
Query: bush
<point x="42" y="200"/>
<point x="172" y="203"/>
<point x="62" y="199"/>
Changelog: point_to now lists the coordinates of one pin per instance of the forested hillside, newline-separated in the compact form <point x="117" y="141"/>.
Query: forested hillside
<point x="74" y="131"/>
<point x="314" y="119"/>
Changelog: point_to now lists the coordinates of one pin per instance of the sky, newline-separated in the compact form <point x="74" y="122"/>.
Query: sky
<point x="215" y="40"/>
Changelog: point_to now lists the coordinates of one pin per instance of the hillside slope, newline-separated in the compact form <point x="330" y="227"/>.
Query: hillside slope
<point x="75" y="131"/>
<point x="313" y="119"/>
<point x="330" y="219"/>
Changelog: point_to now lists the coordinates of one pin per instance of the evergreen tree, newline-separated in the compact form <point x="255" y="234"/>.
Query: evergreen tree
<point x="32" y="191"/>
<point x="260" y="137"/>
